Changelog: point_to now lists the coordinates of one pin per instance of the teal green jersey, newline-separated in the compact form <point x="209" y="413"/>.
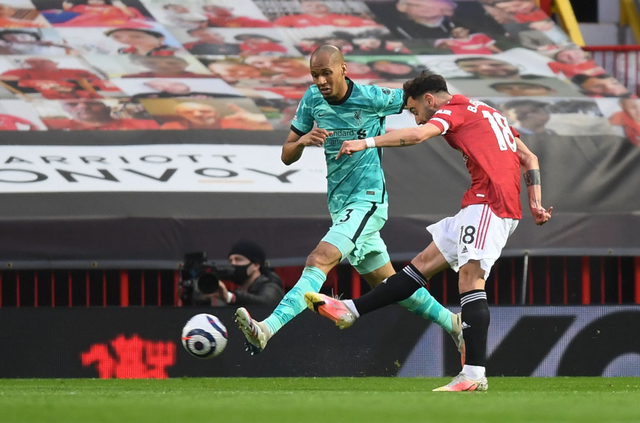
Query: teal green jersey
<point x="360" y="114"/>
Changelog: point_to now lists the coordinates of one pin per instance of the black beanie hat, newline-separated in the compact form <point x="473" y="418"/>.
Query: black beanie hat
<point x="250" y="250"/>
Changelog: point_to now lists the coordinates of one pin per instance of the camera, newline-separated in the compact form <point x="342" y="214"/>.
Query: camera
<point x="200" y="277"/>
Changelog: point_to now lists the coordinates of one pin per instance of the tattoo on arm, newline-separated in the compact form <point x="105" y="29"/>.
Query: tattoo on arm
<point x="402" y="142"/>
<point x="532" y="177"/>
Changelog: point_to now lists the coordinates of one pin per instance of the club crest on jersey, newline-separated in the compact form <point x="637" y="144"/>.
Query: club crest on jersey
<point x="357" y="116"/>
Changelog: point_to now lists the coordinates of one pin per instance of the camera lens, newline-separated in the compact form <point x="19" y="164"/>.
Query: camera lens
<point x="208" y="283"/>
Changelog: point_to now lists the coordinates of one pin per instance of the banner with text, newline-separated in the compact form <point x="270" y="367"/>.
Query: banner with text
<point x="159" y="168"/>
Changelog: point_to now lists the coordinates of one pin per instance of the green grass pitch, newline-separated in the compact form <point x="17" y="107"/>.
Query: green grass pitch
<point x="305" y="400"/>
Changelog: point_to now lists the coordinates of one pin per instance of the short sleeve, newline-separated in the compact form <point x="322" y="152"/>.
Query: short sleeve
<point x="514" y="132"/>
<point x="386" y="101"/>
<point x="447" y="119"/>
<point x="303" y="120"/>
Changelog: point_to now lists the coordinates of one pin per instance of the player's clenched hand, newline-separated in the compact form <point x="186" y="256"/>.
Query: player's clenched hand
<point x="315" y="137"/>
<point x="540" y="215"/>
<point x="350" y="147"/>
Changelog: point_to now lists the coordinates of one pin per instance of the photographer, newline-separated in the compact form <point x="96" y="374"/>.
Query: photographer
<point x="258" y="284"/>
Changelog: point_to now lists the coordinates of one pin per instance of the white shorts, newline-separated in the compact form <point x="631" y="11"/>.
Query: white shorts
<point x="475" y="233"/>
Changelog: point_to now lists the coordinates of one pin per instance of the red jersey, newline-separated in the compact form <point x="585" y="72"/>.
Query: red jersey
<point x="50" y="75"/>
<point x="534" y="16"/>
<point x="488" y="146"/>
<point x="14" y="123"/>
<point x="105" y="15"/>
<point x="631" y="127"/>
<point x="475" y="44"/>
<point x="114" y="125"/>
<point x="333" y="19"/>
<point x="589" y="68"/>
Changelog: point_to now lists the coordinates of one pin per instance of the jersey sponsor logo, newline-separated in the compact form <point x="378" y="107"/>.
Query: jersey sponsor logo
<point x="362" y="134"/>
<point x="342" y="133"/>
<point x="444" y="112"/>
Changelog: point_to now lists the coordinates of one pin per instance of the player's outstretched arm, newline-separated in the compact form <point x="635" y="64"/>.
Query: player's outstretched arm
<point x="531" y="171"/>
<point x="400" y="138"/>
<point x="295" y="144"/>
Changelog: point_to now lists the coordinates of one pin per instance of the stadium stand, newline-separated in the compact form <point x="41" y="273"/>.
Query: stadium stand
<point x="138" y="130"/>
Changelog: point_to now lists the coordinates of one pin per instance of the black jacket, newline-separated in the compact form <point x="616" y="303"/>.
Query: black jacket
<point x="265" y="290"/>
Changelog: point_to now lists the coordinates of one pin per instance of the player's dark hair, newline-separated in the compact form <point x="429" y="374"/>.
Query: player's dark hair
<point x="517" y="103"/>
<point x="155" y="34"/>
<point x="426" y="82"/>
<point x="18" y="31"/>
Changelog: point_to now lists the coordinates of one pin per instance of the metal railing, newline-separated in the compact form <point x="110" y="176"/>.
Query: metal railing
<point x="623" y="62"/>
<point x="513" y="281"/>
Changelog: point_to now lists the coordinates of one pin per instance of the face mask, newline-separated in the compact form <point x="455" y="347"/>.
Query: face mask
<point x="240" y="273"/>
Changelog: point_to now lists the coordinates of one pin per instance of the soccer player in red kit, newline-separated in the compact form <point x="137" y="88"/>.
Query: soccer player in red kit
<point x="472" y="240"/>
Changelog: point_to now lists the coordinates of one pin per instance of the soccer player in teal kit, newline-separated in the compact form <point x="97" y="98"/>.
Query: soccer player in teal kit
<point x="356" y="194"/>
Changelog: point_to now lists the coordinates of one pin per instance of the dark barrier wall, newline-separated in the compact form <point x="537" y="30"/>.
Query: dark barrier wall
<point x="145" y="342"/>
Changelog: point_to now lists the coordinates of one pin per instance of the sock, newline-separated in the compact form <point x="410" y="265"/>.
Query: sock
<point x="352" y="308"/>
<point x="293" y="303"/>
<point x="392" y="290"/>
<point x="473" y="372"/>
<point x="427" y="307"/>
<point x="475" y="325"/>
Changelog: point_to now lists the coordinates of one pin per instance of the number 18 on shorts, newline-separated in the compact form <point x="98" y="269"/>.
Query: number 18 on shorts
<point x="475" y="233"/>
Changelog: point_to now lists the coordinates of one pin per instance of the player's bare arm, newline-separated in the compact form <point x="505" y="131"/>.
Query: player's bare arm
<point x="400" y="138"/>
<point x="531" y="172"/>
<point x="295" y="144"/>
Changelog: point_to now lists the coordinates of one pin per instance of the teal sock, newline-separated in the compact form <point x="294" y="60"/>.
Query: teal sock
<point x="427" y="307"/>
<point x="293" y="303"/>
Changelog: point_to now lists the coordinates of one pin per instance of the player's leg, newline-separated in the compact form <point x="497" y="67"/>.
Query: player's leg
<point x="321" y="260"/>
<point x="402" y="285"/>
<point x="370" y="259"/>
<point x="483" y="235"/>
<point x="335" y="245"/>
<point x="420" y="302"/>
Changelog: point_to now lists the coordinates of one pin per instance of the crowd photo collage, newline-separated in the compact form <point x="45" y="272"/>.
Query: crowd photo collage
<point x="244" y="65"/>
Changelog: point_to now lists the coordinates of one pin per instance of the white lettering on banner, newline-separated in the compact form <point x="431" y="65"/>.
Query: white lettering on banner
<point x="160" y="168"/>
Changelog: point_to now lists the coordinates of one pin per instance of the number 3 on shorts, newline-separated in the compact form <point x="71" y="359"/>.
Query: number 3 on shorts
<point x="347" y="216"/>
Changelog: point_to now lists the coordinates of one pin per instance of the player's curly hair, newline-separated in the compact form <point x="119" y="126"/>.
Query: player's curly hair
<point x="426" y="82"/>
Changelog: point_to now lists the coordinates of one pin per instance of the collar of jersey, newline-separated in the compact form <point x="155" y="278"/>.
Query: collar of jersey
<point x="346" y="96"/>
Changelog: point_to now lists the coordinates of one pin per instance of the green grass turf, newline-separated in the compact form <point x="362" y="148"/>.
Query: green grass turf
<point x="305" y="400"/>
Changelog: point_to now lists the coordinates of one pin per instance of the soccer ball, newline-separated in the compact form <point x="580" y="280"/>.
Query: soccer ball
<point x="204" y="336"/>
